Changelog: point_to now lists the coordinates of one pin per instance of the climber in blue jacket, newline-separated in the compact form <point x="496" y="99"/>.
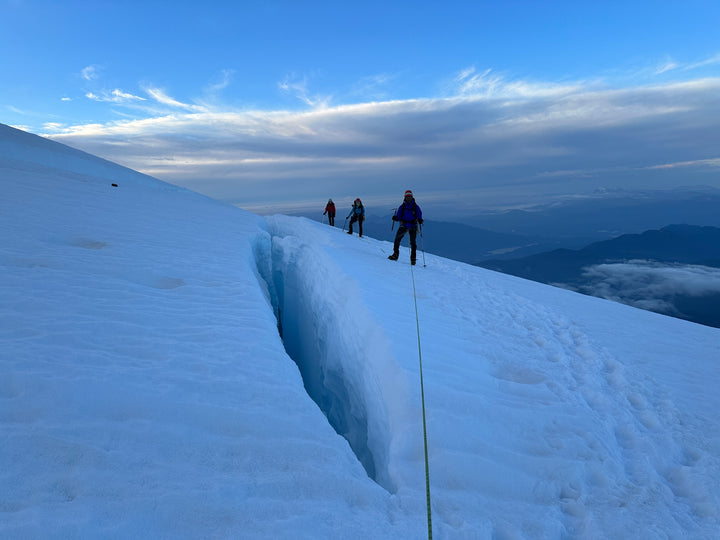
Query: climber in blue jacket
<point x="409" y="217"/>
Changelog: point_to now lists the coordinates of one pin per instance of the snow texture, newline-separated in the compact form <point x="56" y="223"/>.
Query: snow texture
<point x="146" y="391"/>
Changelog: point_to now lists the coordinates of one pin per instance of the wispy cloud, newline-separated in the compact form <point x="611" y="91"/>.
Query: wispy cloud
<point x="299" y="89"/>
<point x="115" y="96"/>
<point x="670" y="65"/>
<point x="90" y="73"/>
<point x="53" y="126"/>
<point x="373" y="87"/>
<point x="711" y="61"/>
<point x="470" y="82"/>
<point x="694" y="163"/>
<point x="157" y="102"/>
<point x="220" y="82"/>
<point x="161" y="97"/>
<point x="590" y="173"/>
<point x="665" y="66"/>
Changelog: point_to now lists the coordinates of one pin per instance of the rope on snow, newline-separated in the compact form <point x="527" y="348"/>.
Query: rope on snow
<point x="422" y="395"/>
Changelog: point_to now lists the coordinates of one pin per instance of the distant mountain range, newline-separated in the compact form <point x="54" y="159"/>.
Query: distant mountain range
<point x="608" y="215"/>
<point x="665" y="270"/>
<point x="463" y="242"/>
<point x="687" y="244"/>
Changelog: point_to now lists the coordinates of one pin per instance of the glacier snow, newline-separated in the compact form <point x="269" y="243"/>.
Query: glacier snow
<point x="172" y="366"/>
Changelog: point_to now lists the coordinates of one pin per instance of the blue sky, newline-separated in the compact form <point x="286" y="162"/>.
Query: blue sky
<point x="279" y="104"/>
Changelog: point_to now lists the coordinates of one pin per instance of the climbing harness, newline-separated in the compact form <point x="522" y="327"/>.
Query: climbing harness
<point x="422" y="395"/>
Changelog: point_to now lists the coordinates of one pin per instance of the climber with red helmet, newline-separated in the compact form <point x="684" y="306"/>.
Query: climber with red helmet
<point x="330" y="211"/>
<point x="409" y="216"/>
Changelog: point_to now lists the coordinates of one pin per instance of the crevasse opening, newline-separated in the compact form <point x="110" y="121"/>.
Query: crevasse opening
<point x="320" y="335"/>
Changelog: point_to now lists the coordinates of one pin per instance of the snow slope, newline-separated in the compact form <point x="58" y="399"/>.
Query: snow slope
<point x="145" y="390"/>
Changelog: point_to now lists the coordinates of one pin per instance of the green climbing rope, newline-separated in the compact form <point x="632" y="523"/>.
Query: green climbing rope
<point x="422" y="395"/>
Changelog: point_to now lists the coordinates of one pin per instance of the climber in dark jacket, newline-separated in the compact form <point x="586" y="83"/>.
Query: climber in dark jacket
<point x="409" y="217"/>
<point x="357" y="213"/>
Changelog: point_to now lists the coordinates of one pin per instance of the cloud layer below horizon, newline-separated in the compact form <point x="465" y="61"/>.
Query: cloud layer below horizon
<point x="651" y="285"/>
<point x="488" y="142"/>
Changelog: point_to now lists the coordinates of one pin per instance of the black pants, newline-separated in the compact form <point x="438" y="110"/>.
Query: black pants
<point x="331" y="219"/>
<point x="353" y="220"/>
<point x="413" y="243"/>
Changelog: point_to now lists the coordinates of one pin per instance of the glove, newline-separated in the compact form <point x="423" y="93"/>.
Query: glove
<point x="420" y="221"/>
<point x="394" y="218"/>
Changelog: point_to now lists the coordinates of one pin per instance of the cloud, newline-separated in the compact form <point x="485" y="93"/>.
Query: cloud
<point x="711" y="61"/>
<point x="156" y="104"/>
<point x="503" y="143"/>
<point x="667" y="65"/>
<point x="161" y="97"/>
<point x="469" y="82"/>
<point x="651" y="285"/>
<point x="373" y="87"/>
<point x="695" y="163"/>
<point x="221" y="82"/>
<point x="90" y="73"/>
<point x="299" y="89"/>
<point x="115" y="96"/>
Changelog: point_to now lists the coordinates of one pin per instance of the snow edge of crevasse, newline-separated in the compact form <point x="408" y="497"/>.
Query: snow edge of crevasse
<point x="341" y="352"/>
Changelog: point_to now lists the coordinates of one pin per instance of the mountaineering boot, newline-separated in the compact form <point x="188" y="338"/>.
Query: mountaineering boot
<point x="412" y="261"/>
<point x="393" y="257"/>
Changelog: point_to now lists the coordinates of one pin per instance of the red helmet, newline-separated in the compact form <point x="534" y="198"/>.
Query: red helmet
<point x="408" y="193"/>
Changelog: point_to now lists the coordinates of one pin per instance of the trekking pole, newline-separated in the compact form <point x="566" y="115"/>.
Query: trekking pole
<point x="345" y="223"/>
<point x="422" y="246"/>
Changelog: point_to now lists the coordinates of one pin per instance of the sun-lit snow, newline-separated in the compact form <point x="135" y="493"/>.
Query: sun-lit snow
<point x="145" y="389"/>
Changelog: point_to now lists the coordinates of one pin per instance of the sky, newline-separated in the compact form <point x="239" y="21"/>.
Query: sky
<point x="280" y="105"/>
<point x="147" y="391"/>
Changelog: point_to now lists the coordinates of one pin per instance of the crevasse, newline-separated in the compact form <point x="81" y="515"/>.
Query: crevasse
<point x="317" y="320"/>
